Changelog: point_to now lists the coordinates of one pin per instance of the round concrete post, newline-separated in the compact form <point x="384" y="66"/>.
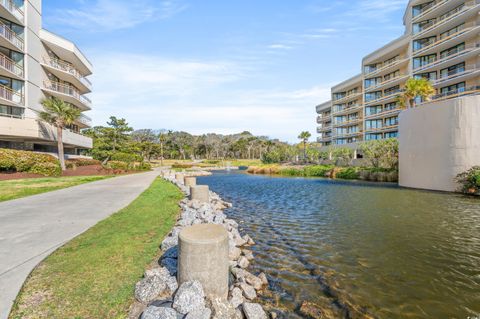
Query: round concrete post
<point x="200" y="193"/>
<point x="203" y="256"/>
<point x="179" y="177"/>
<point x="190" y="181"/>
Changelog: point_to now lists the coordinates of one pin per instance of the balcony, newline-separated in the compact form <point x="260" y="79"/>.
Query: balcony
<point x="67" y="72"/>
<point x="347" y="110"/>
<point x="11" y="11"/>
<point x="85" y="121"/>
<point x="450" y="58"/>
<point x="348" y="97"/>
<point x="10" y="39"/>
<point x="10" y="97"/>
<point x="348" y="122"/>
<point x="385" y="98"/>
<point x="387" y="67"/>
<point x="457" y="76"/>
<point x="322" y="129"/>
<point x="9" y="68"/>
<point x="448" y="42"/>
<point x="390" y="82"/>
<point x="68" y="93"/>
<point x="450" y="19"/>
<point x="473" y="90"/>
<point x="383" y="114"/>
<point x="324" y="139"/>
<point x="348" y="134"/>
<point x="387" y="128"/>
<point x="435" y="9"/>
<point x="323" y="119"/>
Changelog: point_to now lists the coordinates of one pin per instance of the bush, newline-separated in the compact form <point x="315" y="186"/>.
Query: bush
<point x="347" y="173"/>
<point x="126" y="157"/>
<point x="182" y="166"/>
<point x="117" y="165"/>
<point x="29" y="162"/>
<point x="124" y="166"/>
<point x="318" y="170"/>
<point x="78" y="162"/>
<point x="470" y="181"/>
<point x="212" y="162"/>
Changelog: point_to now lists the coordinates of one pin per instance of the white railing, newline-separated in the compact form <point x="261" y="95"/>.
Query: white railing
<point x="446" y="57"/>
<point x="455" y="74"/>
<point x="10" y="65"/>
<point x="67" y="90"/>
<point x="8" y="94"/>
<point x="85" y="120"/>
<point x="386" y="66"/>
<point x="13" y="9"/>
<point x="386" y="82"/>
<point x="390" y="95"/>
<point x="66" y="67"/>
<point x="11" y="36"/>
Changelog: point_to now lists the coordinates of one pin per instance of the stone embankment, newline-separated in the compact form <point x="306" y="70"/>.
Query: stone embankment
<point x="159" y="295"/>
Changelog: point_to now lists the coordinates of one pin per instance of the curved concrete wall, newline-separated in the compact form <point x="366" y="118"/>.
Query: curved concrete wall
<point x="438" y="141"/>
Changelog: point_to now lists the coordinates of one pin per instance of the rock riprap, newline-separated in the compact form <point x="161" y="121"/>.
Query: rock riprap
<point x="159" y="292"/>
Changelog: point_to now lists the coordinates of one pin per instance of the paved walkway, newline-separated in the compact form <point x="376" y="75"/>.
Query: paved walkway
<point x="31" y="228"/>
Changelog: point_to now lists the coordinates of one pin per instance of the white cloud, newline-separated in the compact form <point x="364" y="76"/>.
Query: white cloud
<point x="108" y="15"/>
<point x="280" y="47"/>
<point x="198" y="97"/>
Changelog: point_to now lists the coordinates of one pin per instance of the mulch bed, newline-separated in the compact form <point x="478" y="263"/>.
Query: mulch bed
<point x="92" y="170"/>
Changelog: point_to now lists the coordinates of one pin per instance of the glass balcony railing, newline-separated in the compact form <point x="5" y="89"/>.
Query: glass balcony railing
<point x="11" y="7"/>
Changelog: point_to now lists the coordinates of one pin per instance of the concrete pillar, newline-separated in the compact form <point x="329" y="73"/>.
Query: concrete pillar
<point x="203" y="256"/>
<point x="190" y="181"/>
<point x="200" y="193"/>
<point x="179" y="177"/>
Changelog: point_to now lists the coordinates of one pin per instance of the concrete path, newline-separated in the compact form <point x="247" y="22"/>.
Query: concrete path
<point x="31" y="228"/>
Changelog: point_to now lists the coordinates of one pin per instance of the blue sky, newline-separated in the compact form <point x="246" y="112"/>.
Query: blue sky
<point x="222" y="66"/>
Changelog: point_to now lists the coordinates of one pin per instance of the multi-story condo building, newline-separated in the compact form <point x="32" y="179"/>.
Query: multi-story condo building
<point x="324" y="121"/>
<point x="441" y="43"/>
<point x="37" y="64"/>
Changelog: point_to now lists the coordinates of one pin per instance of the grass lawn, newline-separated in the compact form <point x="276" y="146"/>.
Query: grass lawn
<point x="93" y="276"/>
<point x="12" y="189"/>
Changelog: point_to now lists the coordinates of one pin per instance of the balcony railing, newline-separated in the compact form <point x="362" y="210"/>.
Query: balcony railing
<point x="11" y="36"/>
<point x="473" y="90"/>
<point x="66" y="67"/>
<point x="383" y="113"/>
<point x="10" y="65"/>
<point x="390" y="95"/>
<point x="347" y="134"/>
<point x="85" y="120"/>
<point x="347" y="97"/>
<point x="348" y="122"/>
<point x="386" y="66"/>
<point x="8" y="94"/>
<point x="446" y="57"/>
<point x="348" y="109"/>
<point x="13" y="9"/>
<point x="434" y="43"/>
<point x="386" y="82"/>
<point x="67" y="90"/>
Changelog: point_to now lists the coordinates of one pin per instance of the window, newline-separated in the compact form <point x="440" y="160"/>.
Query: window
<point x="17" y="29"/>
<point x="11" y="111"/>
<point x="391" y="60"/>
<point x="338" y="96"/>
<point x="392" y="90"/>
<point x="373" y="136"/>
<point x="391" y="121"/>
<point x="373" y="124"/>
<point x="391" y="135"/>
<point x="424" y="60"/>
<point x="371" y="68"/>
<point x="372" y="110"/>
<point x="339" y="119"/>
<point x="391" y="106"/>
<point x="452" y="70"/>
<point x="453" y="89"/>
<point x="419" y="9"/>
<point x="422" y="43"/>
<point x="452" y="50"/>
<point x="373" y="82"/>
<point x="338" y="108"/>
<point x="341" y="141"/>
<point x="373" y="96"/>
<point x="420" y="26"/>
<point x="392" y="75"/>
<point x="431" y="76"/>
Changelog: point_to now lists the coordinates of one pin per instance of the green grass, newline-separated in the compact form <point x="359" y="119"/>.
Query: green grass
<point x="93" y="276"/>
<point x="13" y="189"/>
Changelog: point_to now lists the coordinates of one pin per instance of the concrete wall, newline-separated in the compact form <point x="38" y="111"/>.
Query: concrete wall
<point x="438" y="141"/>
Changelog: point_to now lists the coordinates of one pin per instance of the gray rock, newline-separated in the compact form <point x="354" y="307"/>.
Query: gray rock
<point x="243" y="262"/>
<point x="172" y="284"/>
<point x="254" y="311"/>
<point x="248" y="291"/>
<point x="149" y="288"/>
<point x="236" y="298"/>
<point x="189" y="296"/>
<point x="253" y="280"/>
<point x="200" y="313"/>
<point x="263" y="278"/>
<point x="153" y="312"/>
<point x="169" y="242"/>
<point x="222" y="309"/>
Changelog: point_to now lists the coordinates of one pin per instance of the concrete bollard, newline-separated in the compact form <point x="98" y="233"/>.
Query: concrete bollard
<point x="203" y="256"/>
<point x="190" y="181"/>
<point x="179" y="177"/>
<point x="200" y="193"/>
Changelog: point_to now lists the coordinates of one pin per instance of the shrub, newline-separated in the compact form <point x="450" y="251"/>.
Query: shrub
<point x="469" y="181"/>
<point x="181" y="165"/>
<point x="117" y="165"/>
<point x="29" y="162"/>
<point x="292" y="171"/>
<point x="124" y="166"/>
<point x="126" y="157"/>
<point x="318" y="170"/>
<point x="78" y="162"/>
<point x="347" y="173"/>
<point x="212" y="162"/>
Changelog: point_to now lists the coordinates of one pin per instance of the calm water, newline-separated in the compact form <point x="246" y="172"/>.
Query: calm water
<point x="361" y="250"/>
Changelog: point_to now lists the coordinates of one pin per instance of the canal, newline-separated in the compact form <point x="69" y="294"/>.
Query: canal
<point x="359" y="250"/>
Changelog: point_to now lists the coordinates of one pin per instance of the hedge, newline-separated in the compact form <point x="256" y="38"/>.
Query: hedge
<point x="78" y="162"/>
<point x="124" y="166"/>
<point x="29" y="162"/>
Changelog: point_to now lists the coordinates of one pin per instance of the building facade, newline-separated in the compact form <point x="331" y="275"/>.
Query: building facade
<point x="441" y="43"/>
<point x="37" y="64"/>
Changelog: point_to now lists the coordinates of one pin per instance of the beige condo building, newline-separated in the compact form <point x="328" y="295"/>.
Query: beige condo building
<point x="441" y="43"/>
<point x="36" y="64"/>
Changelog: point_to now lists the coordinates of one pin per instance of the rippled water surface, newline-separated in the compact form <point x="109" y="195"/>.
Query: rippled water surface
<point x="363" y="250"/>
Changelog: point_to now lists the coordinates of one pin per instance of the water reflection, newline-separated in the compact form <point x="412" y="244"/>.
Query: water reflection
<point x="364" y="250"/>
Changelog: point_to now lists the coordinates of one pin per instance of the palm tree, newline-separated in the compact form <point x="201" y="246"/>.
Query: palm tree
<point x="59" y="114"/>
<point x="304" y="136"/>
<point x="414" y="88"/>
